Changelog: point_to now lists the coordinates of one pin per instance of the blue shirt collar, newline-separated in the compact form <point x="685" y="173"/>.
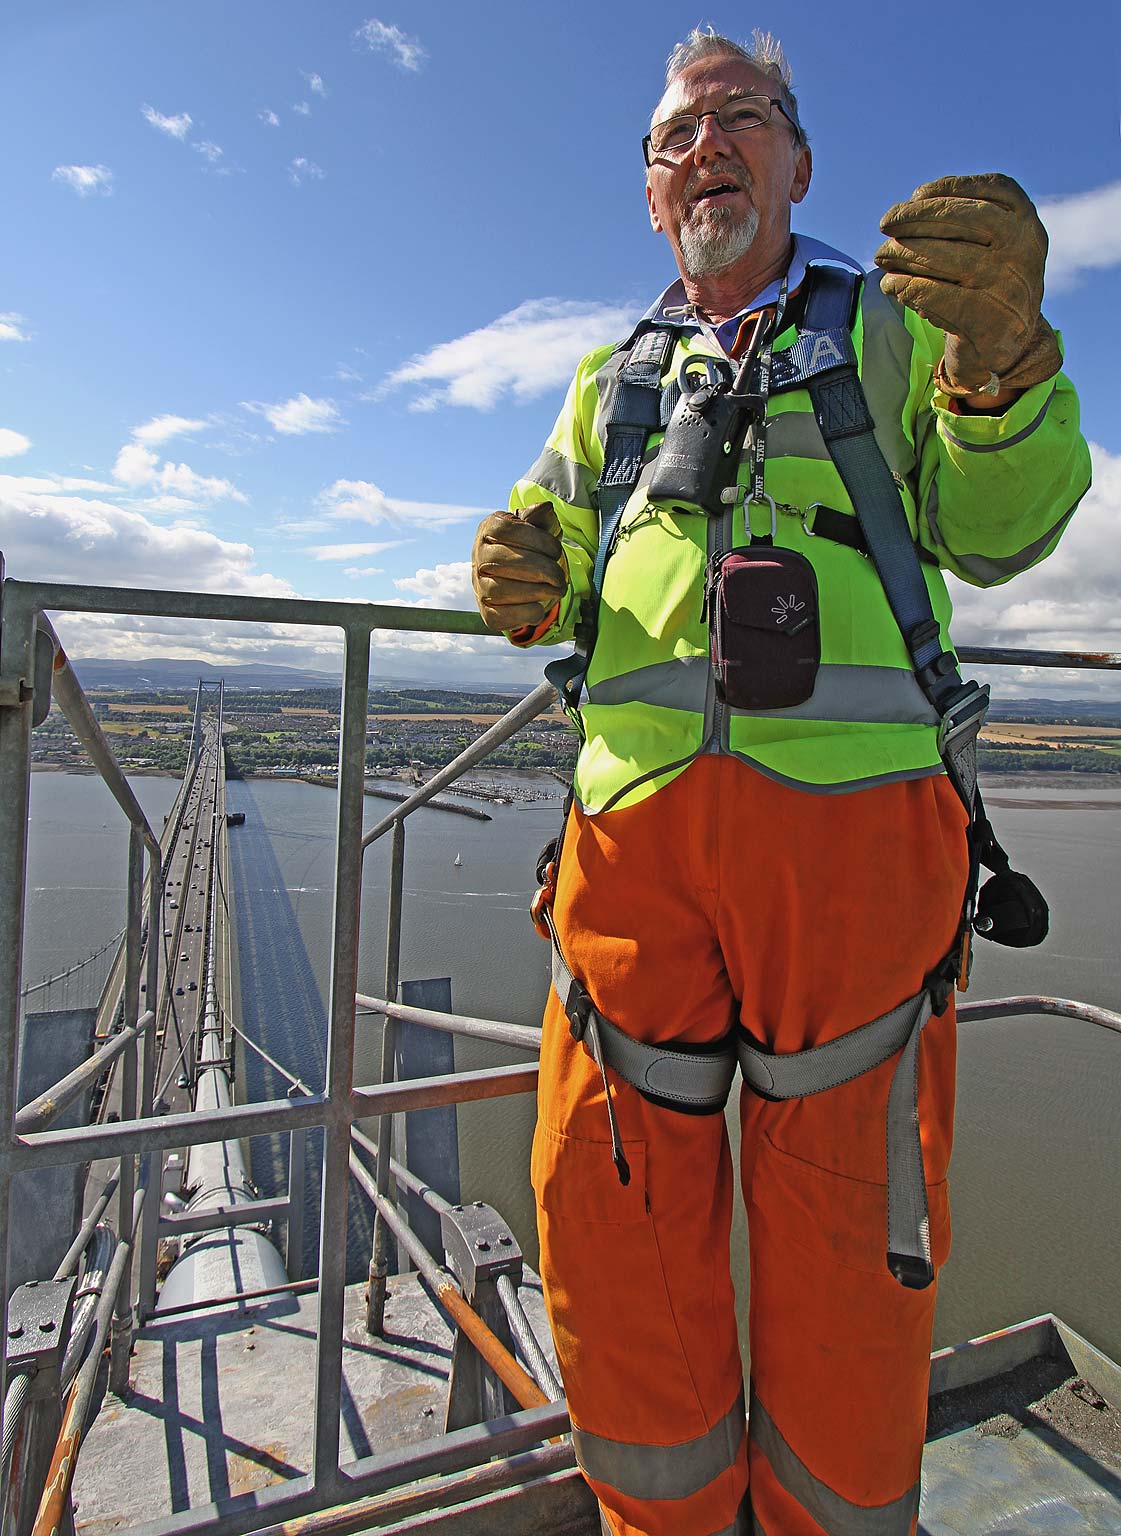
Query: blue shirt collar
<point x="807" y="252"/>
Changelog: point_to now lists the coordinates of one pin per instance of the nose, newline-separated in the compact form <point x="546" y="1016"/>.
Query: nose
<point x="711" y="140"/>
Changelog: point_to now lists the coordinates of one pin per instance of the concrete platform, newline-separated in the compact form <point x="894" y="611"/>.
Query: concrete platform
<point x="222" y="1401"/>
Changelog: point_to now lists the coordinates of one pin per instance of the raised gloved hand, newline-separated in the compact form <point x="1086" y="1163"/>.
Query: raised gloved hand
<point x="517" y="566"/>
<point x="967" y="253"/>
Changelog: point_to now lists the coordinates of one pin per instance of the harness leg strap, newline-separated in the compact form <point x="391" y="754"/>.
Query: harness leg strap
<point x="689" y="1079"/>
<point x="796" y="1074"/>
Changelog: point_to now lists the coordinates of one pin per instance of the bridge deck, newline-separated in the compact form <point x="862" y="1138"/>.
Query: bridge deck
<point x="221" y="1401"/>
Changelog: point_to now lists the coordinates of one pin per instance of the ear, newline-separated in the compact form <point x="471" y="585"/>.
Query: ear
<point x="803" y="173"/>
<point x="655" y="219"/>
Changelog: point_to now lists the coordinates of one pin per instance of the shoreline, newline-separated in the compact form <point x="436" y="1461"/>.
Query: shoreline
<point x="1005" y="779"/>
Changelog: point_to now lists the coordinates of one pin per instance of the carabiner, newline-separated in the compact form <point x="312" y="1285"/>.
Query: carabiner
<point x="717" y="375"/>
<point x="758" y="501"/>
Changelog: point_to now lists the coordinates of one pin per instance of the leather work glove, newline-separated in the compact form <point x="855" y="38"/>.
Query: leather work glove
<point x="967" y="253"/>
<point x="517" y="566"/>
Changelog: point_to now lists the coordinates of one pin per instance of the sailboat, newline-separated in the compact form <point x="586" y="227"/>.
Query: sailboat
<point x="458" y="860"/>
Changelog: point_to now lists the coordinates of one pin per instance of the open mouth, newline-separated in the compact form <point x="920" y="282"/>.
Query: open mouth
<point x="716" y="192"/>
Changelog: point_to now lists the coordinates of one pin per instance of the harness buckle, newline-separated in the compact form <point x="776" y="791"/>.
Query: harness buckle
<point x="942" y="980"/>
<point x="578" y="1007"/>
<point x="910" y="1270"/>
<point x="963" y="717"/>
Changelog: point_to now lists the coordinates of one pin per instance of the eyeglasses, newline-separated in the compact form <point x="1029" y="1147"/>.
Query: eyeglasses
<point x="677" y="134"/>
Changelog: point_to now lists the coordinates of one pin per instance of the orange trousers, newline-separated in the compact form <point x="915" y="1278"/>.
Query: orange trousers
<point x="723" y="896"/>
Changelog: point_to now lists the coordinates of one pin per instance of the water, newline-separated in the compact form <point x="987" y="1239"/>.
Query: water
<point x="1035" y="1175"/>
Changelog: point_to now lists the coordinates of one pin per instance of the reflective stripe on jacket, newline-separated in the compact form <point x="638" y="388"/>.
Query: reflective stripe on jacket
<point x="985" y="497"/>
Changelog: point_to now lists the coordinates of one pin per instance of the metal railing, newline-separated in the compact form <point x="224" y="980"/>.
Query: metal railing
<point x="138" y="1133"/>
<point x="29" y="1141"/>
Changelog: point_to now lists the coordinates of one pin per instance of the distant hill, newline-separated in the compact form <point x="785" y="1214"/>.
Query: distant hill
<point x="1063" y="711"/>
<point x="174" y="672"/>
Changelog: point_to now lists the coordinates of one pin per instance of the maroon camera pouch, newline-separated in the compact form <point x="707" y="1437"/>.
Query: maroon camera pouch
<point x="766" y="645"/>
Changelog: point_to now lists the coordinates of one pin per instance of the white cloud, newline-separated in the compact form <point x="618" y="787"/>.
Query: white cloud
<point x="12" y="443"/>
<point x="51" y="536"/>
<point x="447" y="586"/>
<point x="379" y="37"/>
<point x="137" y="467"/>
<point x="527" y="352"/>
<point x="355" y="572"/>
<point x="85" y="179"/>
<point x="269" y="117"/>
<point x="1084" y="231"/>
<point x="161" y="428"/>
<point x="37" y="485"/>
<point x="212" y="153"/>
<point x="361" y="501"/>
<point x="349" y="551"/>
<point x="302" y="108"/>
<point x="302" y="169"/>
<point x="1070" y="602"/>
<point x="348" y="375"/>
<point x="315" y="84"/>
<point x="176" y="127"/>
<point x="12" y="328"/>
<point x="300" y="414"/>
<point x="167" y="503"/>
<point x="57" y="537"/>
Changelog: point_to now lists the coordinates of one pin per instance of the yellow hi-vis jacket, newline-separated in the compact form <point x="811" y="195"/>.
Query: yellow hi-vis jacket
<point x="985" y="497"/>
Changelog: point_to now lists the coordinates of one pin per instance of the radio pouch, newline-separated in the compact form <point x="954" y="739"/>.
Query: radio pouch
<point x="766" y="646"/>
<point x="1010" y="909"/>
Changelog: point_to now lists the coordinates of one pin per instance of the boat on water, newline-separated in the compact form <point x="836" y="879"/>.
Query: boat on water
<point x="458" y="860"/>
<point x="168" y="1365"/>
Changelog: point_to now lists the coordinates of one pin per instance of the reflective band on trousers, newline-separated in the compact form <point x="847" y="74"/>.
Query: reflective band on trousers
<point x="877" y="695"/>
<point x="795" y="1074"/>
<point x="741" y="1526"/>
<point x="663" y="1471"/>
<point x="836" y="1515"/>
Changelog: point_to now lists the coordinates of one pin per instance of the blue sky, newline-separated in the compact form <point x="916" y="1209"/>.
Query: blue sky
<point x="290" y="291"/>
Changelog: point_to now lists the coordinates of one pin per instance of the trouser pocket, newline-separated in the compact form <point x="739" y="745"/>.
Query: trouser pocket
<point x="613" y="1319"/>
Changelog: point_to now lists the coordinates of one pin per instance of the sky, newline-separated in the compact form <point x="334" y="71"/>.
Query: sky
<point x="291" y="292"/>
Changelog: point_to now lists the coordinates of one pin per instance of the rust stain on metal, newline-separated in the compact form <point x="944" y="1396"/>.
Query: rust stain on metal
<point x="501" y="1362"/>
<point x="55" y="1501"/>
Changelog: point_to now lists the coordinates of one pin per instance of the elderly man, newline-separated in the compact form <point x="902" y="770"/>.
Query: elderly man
<point x="765" y="847"/>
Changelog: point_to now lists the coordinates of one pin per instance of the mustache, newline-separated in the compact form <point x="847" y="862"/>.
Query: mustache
<point x="736" y="176"/>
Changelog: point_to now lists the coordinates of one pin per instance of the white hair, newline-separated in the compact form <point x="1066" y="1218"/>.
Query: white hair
<point x="765" y="54"/>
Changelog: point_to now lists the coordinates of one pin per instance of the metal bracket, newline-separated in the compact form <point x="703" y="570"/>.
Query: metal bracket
<point x="15" y="693"/>
<point x="479" y="1246"/>
<point x="39" y="1315"/>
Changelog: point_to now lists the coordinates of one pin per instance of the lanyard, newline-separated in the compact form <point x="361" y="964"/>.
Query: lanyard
<point x="759" y="426"/>
<point x="762" y="390"/>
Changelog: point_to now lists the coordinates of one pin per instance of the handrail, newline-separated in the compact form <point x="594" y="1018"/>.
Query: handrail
<point x="1001" y="656"/>
<point x="524" y="1037"/>
<point x="45" y="1110"/>
<point x="1060" y="1007"/>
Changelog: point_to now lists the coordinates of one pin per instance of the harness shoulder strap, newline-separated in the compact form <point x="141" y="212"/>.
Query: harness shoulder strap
<point x="631" y="412"/>
<point x="841" y="411"/>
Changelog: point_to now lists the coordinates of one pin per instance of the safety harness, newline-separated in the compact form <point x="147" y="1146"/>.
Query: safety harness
<point x="697" y="1080"/>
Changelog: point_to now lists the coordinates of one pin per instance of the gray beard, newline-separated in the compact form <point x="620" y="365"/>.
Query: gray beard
<point x="716" y="238"/>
